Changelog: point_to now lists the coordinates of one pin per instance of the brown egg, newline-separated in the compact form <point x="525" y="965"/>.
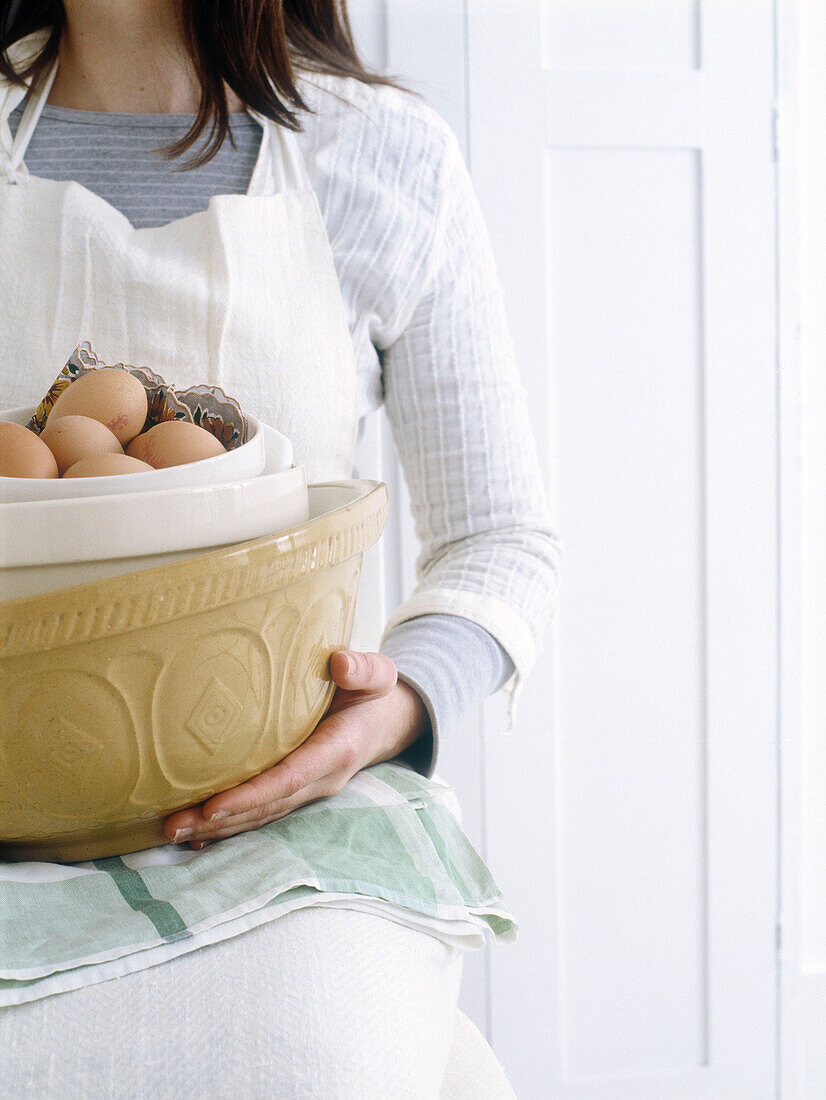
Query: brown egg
<point x="23" y="453"/>
<point x="174" y="443"/>
<point x="71" y="438"/>
<point x="112" y="396"/>
<point x="106" y="465"/>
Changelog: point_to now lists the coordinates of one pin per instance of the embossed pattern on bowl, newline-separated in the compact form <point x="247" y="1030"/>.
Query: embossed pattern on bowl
<point x="126" y="699"/>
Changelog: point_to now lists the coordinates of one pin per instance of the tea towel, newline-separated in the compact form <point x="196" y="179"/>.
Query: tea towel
<point x="386" y="844"/>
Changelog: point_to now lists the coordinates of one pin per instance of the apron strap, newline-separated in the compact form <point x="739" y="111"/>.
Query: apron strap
<point x="34" y="104"/>
<point x="281" y="165"/>
<point x="295" y="174"/>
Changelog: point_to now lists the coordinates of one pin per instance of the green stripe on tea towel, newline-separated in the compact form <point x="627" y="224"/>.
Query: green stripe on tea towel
<point x="133" y="889"/>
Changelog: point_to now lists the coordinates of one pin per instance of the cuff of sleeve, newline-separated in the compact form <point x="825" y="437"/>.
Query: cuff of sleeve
<point x="453" y="665"/>
<point x="499" y="620"/>
<point x="421" y="755"/>
<point x="413" y="671"/>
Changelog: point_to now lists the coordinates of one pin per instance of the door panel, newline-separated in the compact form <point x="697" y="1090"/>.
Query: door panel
<point x="631" y="784"/>
<point x="620" y="34"/>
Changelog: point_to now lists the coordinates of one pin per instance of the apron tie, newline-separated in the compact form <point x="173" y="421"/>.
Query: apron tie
<point x="15" y="170"/>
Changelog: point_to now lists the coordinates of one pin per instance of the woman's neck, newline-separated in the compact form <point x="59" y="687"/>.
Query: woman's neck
<point x="126" y="55"/>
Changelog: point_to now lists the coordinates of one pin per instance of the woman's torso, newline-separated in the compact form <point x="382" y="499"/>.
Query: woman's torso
<point x="373" y="154"/>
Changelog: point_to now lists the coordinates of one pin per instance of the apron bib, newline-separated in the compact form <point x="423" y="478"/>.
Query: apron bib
<point x="243" y="295"/>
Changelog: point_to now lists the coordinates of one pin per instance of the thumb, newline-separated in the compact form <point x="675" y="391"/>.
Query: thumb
<point x="368" y="673"/>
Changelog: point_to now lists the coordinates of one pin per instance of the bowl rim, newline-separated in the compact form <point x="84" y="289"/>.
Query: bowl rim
<point x="127" y="602"/>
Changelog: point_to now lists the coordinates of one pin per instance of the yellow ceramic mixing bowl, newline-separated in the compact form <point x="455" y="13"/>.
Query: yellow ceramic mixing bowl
<point x="126" y="699"/>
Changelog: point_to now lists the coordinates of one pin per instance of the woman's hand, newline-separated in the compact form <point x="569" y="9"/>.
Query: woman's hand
<point x="372" y="717"/>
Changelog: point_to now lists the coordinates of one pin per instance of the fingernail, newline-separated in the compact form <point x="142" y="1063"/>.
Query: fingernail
<point x="351" y="664"/>
<point x="218" y="815"/>
<point x="182" y="834"/>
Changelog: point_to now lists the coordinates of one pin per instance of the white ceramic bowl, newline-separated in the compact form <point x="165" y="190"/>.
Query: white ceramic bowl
<point x="51" y="544"/>
<point x="243" y="462"/>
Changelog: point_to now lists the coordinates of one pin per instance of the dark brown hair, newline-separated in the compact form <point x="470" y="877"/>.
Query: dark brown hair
<point x="255" y="47"/>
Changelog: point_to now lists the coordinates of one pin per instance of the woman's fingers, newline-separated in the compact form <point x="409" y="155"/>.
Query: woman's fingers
<point x="326" y="751"/>
<point x="341" y="744"/>
<point x="226" y="823"/>
<point x="368" y="673"/>
<point x="315" y="769"/>
<point x="263" y="815"/>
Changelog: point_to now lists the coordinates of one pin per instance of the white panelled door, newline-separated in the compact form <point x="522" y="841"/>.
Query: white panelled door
<point x="632" y="206"/>
<point x="623" y="154"/>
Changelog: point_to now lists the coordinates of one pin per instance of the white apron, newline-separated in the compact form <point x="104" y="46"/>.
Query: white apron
<point x="243" y="295"/>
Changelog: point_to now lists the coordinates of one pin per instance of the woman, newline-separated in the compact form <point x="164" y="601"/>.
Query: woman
<point x="343" y="263"/>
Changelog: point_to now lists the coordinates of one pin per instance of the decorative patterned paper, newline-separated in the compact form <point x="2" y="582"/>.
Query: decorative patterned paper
<point x="207" y="406"/>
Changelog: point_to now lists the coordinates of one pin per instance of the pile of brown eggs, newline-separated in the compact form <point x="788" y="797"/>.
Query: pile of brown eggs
<point x="95" y="429"/>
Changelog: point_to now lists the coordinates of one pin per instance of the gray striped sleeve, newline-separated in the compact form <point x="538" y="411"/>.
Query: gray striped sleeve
<point x="453" y="664"/>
